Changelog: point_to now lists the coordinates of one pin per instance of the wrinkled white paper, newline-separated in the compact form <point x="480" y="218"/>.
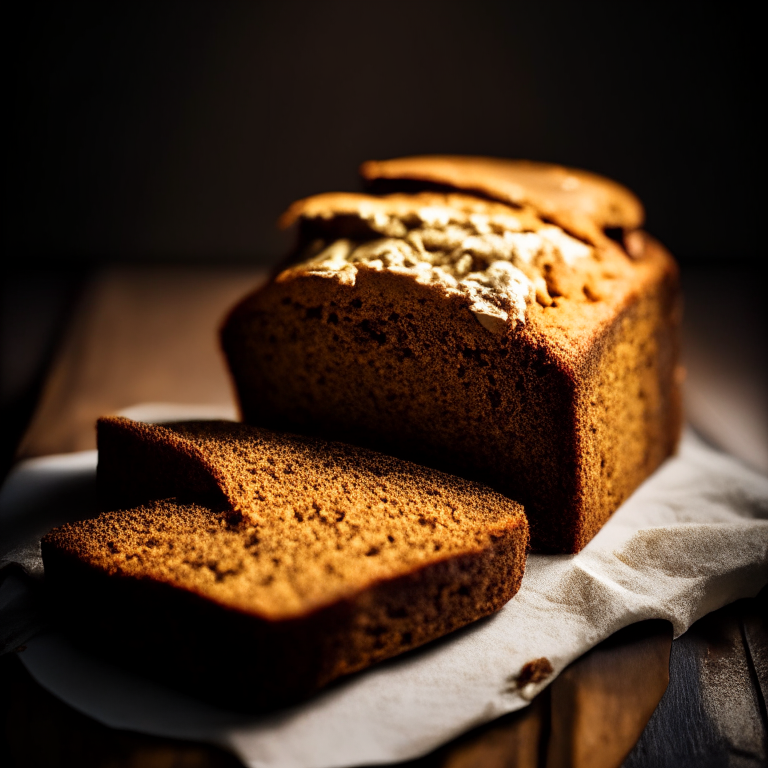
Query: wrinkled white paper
<point x="693" y="538"/>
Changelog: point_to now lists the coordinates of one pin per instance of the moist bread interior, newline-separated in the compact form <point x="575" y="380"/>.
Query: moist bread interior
<point x="298" y="530"/>
<point x="252" y="567"/>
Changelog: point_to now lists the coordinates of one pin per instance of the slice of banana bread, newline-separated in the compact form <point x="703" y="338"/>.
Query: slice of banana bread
<point x="257" y="566"/>
<point x="504" y="321"/>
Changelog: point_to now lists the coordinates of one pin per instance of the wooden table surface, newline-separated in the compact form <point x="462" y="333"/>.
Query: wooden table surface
<point x="149" y="334"/>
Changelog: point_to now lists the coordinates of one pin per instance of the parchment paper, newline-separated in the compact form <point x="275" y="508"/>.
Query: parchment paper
<point x="693" y="538"/>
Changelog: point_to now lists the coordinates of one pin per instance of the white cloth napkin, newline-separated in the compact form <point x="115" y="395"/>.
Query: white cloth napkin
<point x="692" y="538"/>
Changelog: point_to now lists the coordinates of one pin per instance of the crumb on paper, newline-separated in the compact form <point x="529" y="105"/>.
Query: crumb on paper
<point x="533" y="672"/>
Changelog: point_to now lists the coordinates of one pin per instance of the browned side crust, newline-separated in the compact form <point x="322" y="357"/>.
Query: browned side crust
<point x="312" y="561"/>
<point x="568" y="413"/>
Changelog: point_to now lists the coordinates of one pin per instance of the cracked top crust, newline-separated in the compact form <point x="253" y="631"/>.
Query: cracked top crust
<point x="582" y="203"/>
<point x="498" y="257"/>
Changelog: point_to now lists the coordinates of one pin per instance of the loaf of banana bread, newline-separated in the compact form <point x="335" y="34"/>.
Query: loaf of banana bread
<point x="504" y="321"/>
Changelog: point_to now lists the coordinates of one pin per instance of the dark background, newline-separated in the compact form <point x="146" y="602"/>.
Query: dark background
<point x="182" y="129"/>
<point x="178" y="131"/>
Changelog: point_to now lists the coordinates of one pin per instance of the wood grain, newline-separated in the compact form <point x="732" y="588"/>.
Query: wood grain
<point x="141" y="334"/>
<point x="601" y="704"/>
<point x="713" y="712"/>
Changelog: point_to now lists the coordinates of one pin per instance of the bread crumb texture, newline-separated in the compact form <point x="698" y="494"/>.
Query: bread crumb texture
<point x="301" y="522"/>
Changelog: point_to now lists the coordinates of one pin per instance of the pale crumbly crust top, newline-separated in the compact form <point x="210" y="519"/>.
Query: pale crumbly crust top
<point x="501" y="259"/>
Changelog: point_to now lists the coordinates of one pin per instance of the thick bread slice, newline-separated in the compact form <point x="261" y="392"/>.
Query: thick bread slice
<point x="280" y="563"/>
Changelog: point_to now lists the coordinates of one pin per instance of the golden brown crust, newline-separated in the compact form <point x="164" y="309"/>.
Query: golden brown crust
<point x="583" y="203"/>
<point x="347" y="556"/>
